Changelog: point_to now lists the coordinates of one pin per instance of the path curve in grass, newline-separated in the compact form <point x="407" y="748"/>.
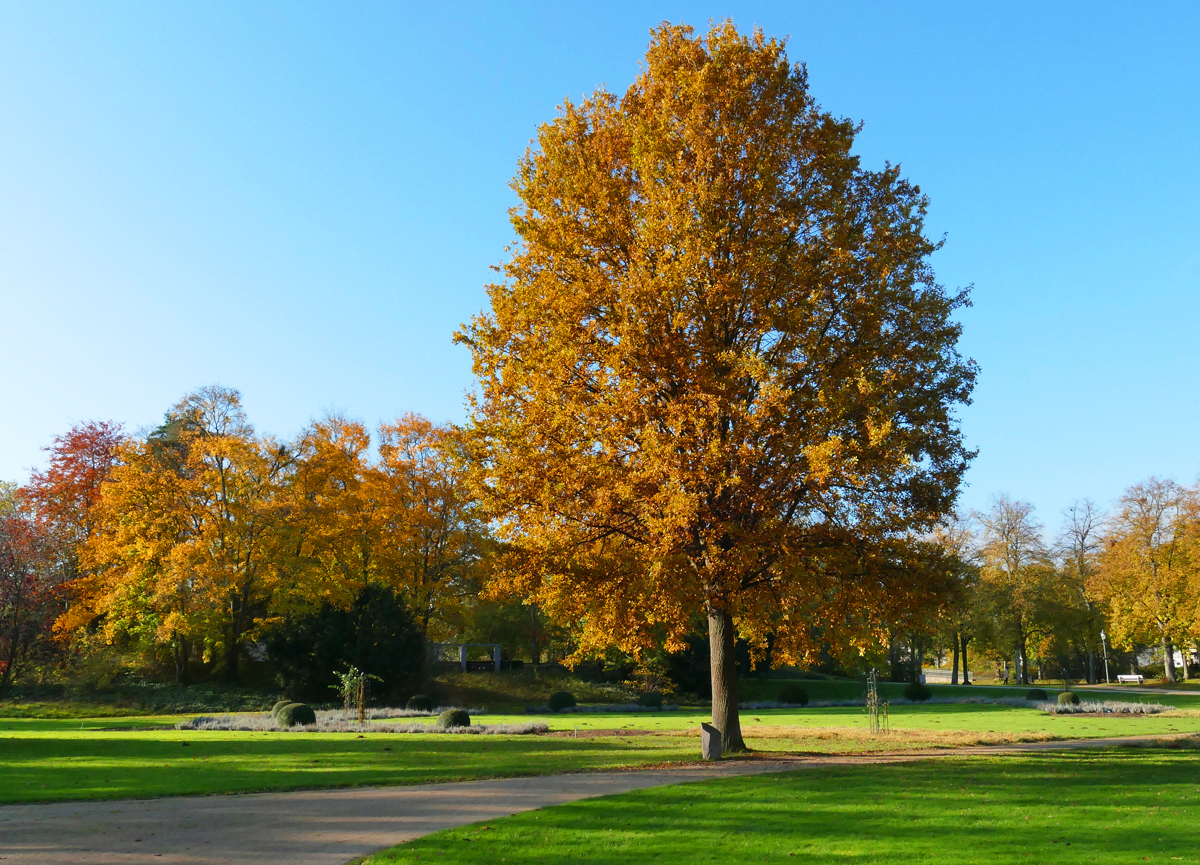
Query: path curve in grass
<point x="332" y="827"/>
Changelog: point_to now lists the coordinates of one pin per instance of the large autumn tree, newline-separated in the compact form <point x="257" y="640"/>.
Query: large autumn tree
<point x="718" y="379"/>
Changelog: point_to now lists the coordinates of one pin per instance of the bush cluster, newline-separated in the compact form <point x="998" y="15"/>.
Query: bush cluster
<point x="1037" y="695"/>
<point x="1068" y="698"/>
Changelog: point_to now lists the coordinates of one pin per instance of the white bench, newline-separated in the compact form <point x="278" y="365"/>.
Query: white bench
<point x="1130" y="680"/>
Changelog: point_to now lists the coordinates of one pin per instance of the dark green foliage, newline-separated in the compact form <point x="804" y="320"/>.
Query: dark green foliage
<point x="917" y="692"/>
<point x="275" y="709"/>
<point x="377" y="635"/>
<point x="561" y="700"/>
<point x="1037" y="695"/>
<point x="690" y="669"/>
<point x="1068" y="698"/>
<point x="296" y="714"/>
<point x="793" y="693"/>
<point x="454" y="718"/>
<point x="650" y="699"/>
<point x="419" y="703"/>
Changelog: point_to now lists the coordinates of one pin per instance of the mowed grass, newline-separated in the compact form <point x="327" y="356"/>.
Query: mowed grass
<point x="1110" y="806"/>
<point x="55" y="765"/>
<point x="96" y="758"/>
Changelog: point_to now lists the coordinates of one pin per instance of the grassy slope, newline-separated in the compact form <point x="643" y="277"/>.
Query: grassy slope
<point x="1114" y="806"/>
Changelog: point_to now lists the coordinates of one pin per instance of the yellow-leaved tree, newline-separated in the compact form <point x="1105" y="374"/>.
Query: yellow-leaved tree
<point x="718" y="380"/>
<point x="1148" y="573"/>
<point x="183" y="555"/>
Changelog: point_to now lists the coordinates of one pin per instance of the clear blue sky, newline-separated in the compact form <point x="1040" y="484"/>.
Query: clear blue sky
<point x="302" y="201"/>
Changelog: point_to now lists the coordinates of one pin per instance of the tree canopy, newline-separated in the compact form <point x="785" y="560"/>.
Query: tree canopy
<point x="718" y="379"/>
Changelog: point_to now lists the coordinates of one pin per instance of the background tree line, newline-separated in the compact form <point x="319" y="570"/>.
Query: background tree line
<point x="199" y="545"/>
<point x="1033" y="608"/>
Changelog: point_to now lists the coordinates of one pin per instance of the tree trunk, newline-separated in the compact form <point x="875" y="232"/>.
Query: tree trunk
<point x="1168" y="658"/>
<point x="1091" y="662"/>
<point x="954" y="672"/>
<point x="723" y="665"/>
<point x="966" y="676"/>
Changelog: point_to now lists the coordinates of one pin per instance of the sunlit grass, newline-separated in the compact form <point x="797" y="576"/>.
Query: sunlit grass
<point x="1113" y="806"/>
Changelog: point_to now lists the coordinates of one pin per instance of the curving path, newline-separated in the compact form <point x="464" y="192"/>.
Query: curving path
<point x="331" y="827"/>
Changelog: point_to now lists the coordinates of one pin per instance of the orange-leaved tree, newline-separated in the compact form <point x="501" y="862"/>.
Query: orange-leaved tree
<point x="719" y="378"/>
<point x="1148" y="573"/>
<point x="184" y="554"/>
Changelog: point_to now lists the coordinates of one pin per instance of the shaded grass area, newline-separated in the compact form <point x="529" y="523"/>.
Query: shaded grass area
<point x="1111" y="806"/>
<point x="54" y="765"/>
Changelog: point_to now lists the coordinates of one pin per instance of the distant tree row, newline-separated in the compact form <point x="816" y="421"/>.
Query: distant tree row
<point x="202" y="541"/>
<point x="1039" y="609"/>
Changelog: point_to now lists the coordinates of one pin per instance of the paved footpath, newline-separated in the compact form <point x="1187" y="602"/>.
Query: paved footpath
<point x="332" y="827"/>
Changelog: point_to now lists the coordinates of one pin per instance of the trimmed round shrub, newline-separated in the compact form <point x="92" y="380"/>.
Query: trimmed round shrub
<point x="917" y="692"/>
<point x="1068" y="698"/>
<point x="561" y="700"/>
<point x="419" y="703"/>
<point x="454" y="718"/>
<point x="650" y="699"/>
<point x="1037" y="695"/>
<point x="793" y="693"/>
<point x="275" y="709"/>
<point x="296" y="715"/>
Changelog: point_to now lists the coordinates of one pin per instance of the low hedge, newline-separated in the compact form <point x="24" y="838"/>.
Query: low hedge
<point x="454" y="718"/>
<point x="793" y="693"/>
<point x="561" y="700"/>
<point x="650" y="699"/>
<point x="917" y="692"/>
<point x="295" y="715"/>
<point x="1037" y="695"/>
<point x="419" y="703"/>
<point x="1068" y="698"/>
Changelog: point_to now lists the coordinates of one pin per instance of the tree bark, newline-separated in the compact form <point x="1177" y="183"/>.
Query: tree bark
<point x="1168" y="658"/>
<point x="723" y="666"/>
<point x="966" y="676"/>
<point x="954" y="672"/>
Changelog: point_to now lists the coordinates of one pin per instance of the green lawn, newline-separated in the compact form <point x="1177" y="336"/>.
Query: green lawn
<point x="1111" y="806"/>
<point x="43" y="764"/>
<point x="97" y="758"/>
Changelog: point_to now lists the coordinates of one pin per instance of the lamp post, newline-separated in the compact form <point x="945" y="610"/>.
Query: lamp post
<point x="1104" y="644"/>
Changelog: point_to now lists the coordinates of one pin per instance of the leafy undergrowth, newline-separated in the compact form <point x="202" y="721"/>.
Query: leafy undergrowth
<point x="1110" y="806"/>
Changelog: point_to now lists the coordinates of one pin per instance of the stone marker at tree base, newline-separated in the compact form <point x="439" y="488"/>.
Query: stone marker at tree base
<point x="710" y="742"/>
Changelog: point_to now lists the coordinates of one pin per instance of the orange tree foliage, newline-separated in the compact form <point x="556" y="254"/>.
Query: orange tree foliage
<point x="1148" y="573"/>
<point x="64" y="495"/>
<point x="207" y="535"/>
<point x="183" y="555"/>
<point x="403" y="520"/>
<point x="718" y="378"/>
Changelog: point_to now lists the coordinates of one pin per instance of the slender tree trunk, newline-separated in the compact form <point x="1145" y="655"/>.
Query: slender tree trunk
<point x="966" y="676"/>
<point x="1091" y="662"/>
<point x="723" y="664"/>
<point x="954" y="671"/>
<point x="1168" y="658"/>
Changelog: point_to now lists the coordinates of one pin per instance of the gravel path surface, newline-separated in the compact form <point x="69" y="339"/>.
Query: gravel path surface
<point x="332" y="827"/>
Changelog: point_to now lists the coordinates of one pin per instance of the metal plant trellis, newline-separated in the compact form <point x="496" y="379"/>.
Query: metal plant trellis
<point x="877" y="712"/>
